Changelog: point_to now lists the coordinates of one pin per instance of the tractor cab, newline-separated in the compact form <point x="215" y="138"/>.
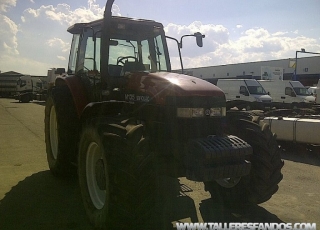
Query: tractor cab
<point x="134" y="45"/>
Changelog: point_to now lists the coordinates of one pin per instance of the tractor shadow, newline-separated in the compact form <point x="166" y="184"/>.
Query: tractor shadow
<point x="42" y="201"/>
<point x="216" y="212"/>
<point x="179" y="205"/>
<point x="43" y="103"/>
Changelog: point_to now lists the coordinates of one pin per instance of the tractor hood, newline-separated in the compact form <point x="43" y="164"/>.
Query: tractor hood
<point x="158" y="86"/>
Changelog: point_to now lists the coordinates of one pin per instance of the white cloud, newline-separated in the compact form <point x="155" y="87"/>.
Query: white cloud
<point x="8" y="39"/>
<point x="256" y="44"/>
<point x="63" y="13"/>
<point x="42" y="41"/>
<point x="62" y="58"/>
<point x="24" y="65"/>
<point x="279" y="33"/>
<point x="43" y="34"/>
<point x="214" y="36"/>
<point x="5" y="4"/>
<point x="59" y="44"/>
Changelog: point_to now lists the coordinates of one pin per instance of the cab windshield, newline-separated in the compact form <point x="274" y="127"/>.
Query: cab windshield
<point x="254" y="87"/>
<point x="137" y="55"/>
<point x="301" y="91"/>
<point x="135" y="48"/>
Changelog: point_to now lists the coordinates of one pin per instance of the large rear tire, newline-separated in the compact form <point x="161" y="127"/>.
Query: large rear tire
<point x="116" y="175"/>
<point x="265" y="174"/>
<point x="61" y="132"/>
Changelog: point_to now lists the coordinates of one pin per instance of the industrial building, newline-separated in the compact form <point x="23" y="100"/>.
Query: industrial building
<point x="8" y="83"/>
<point x="307" y="70"/>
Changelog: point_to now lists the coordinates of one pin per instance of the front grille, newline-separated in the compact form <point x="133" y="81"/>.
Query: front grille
<point x="196" y="101"/>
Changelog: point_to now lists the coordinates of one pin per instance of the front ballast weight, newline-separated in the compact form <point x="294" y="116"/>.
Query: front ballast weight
<point x="217" y="157"/>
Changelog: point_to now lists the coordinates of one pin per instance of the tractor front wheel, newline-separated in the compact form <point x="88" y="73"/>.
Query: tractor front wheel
<point x="266" y="164"/>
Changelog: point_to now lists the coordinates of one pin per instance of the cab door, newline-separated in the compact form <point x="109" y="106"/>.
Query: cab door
<point x="289" y="96"/>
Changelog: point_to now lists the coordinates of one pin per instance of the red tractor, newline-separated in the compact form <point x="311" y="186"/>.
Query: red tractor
<point x="120" y="118"/>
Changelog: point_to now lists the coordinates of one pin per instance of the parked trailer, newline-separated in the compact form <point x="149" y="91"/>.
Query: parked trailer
<point x="299" y="130"/>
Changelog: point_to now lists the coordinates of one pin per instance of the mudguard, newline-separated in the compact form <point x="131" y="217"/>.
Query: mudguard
<point x="105" y="108"/>
<point x="77" y="90"/>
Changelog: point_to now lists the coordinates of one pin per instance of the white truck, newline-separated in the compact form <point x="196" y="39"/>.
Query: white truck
<point x="288" y="94"/>
<point x="245" y="93"/>
<point x="29" y="89"/>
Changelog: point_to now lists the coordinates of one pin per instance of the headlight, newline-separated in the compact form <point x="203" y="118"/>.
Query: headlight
<point x="190" y="112"/>
<point x="200" y="112"/>
<point x="307" y="100"/>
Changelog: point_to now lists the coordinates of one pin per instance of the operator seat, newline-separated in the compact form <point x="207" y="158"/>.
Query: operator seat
<point x="132" y="67"/>
<point x="114" y="70"/>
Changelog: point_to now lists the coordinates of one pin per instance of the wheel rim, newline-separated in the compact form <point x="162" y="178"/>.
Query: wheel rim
<point x="228" y="182"/>
<point x="54" y="133"/>
<point x="96" y="175"/>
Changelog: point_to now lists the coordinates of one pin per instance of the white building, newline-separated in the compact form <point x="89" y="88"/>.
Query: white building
<point x="308" y="70"/>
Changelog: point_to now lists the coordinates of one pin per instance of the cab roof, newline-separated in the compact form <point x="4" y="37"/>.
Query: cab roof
<point x="78" y="27"/>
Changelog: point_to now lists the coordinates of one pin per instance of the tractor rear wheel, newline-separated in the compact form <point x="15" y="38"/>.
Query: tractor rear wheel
<point x="265" y="174"/>
<point x="116" y="175"/>
<point x="61" y="132"/>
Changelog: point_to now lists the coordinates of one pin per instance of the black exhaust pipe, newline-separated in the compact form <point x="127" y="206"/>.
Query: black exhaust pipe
<point x="107" y="10"/>
<point x="106" y="80"/>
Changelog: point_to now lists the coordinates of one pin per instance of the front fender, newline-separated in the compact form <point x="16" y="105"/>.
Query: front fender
<point x="102" y="109"/>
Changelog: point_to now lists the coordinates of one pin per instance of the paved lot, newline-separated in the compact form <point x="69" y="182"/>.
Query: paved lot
<point x="31" y="198"/>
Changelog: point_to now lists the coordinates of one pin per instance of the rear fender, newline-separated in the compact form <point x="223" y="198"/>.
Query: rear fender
<point x="77" y="91"/>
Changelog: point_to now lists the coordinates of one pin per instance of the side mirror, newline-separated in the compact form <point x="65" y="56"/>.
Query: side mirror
<point x="199" y="37"/>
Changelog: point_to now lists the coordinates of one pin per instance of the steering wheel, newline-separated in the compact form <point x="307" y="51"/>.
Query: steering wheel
<point x="122" y="59"/>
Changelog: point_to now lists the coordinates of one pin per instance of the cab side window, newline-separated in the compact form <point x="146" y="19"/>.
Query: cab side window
<point x="289" y="92"/>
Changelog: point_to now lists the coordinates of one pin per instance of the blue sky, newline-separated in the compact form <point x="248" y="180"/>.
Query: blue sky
<point x="33" y="36"/>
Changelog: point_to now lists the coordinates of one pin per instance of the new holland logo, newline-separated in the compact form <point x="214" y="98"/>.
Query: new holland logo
<point x="207" y="112"/>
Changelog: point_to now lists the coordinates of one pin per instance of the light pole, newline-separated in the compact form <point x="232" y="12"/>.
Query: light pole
<point x="295" y="66"/>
